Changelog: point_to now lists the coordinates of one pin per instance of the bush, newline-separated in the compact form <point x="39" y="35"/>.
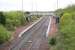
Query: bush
<point x="67" y="27"/>
<point x="14" y="19"/>
<point x="52" y="41"/>
<point x="4" y="35"/>
<point x="34" y="18"/>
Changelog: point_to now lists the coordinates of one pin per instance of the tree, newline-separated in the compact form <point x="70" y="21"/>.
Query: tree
<point x="2" y="19"/>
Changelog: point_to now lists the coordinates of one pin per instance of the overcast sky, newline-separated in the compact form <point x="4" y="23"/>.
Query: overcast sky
<point x="33" y="5"/>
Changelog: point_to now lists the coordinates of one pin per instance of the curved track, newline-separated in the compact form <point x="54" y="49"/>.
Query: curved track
<point x="34" y="37"/>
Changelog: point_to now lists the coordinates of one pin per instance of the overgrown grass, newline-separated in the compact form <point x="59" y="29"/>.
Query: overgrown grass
<point x="66" y="40"/>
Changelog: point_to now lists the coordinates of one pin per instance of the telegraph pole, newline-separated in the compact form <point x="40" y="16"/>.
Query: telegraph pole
<point x="32" y="6"/>
<point x="36" y="7"/>
<point x="22" y="9"/>
<point x="57" y="4"/>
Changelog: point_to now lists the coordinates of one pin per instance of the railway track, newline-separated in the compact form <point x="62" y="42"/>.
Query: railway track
<point x="32" y="38"/>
